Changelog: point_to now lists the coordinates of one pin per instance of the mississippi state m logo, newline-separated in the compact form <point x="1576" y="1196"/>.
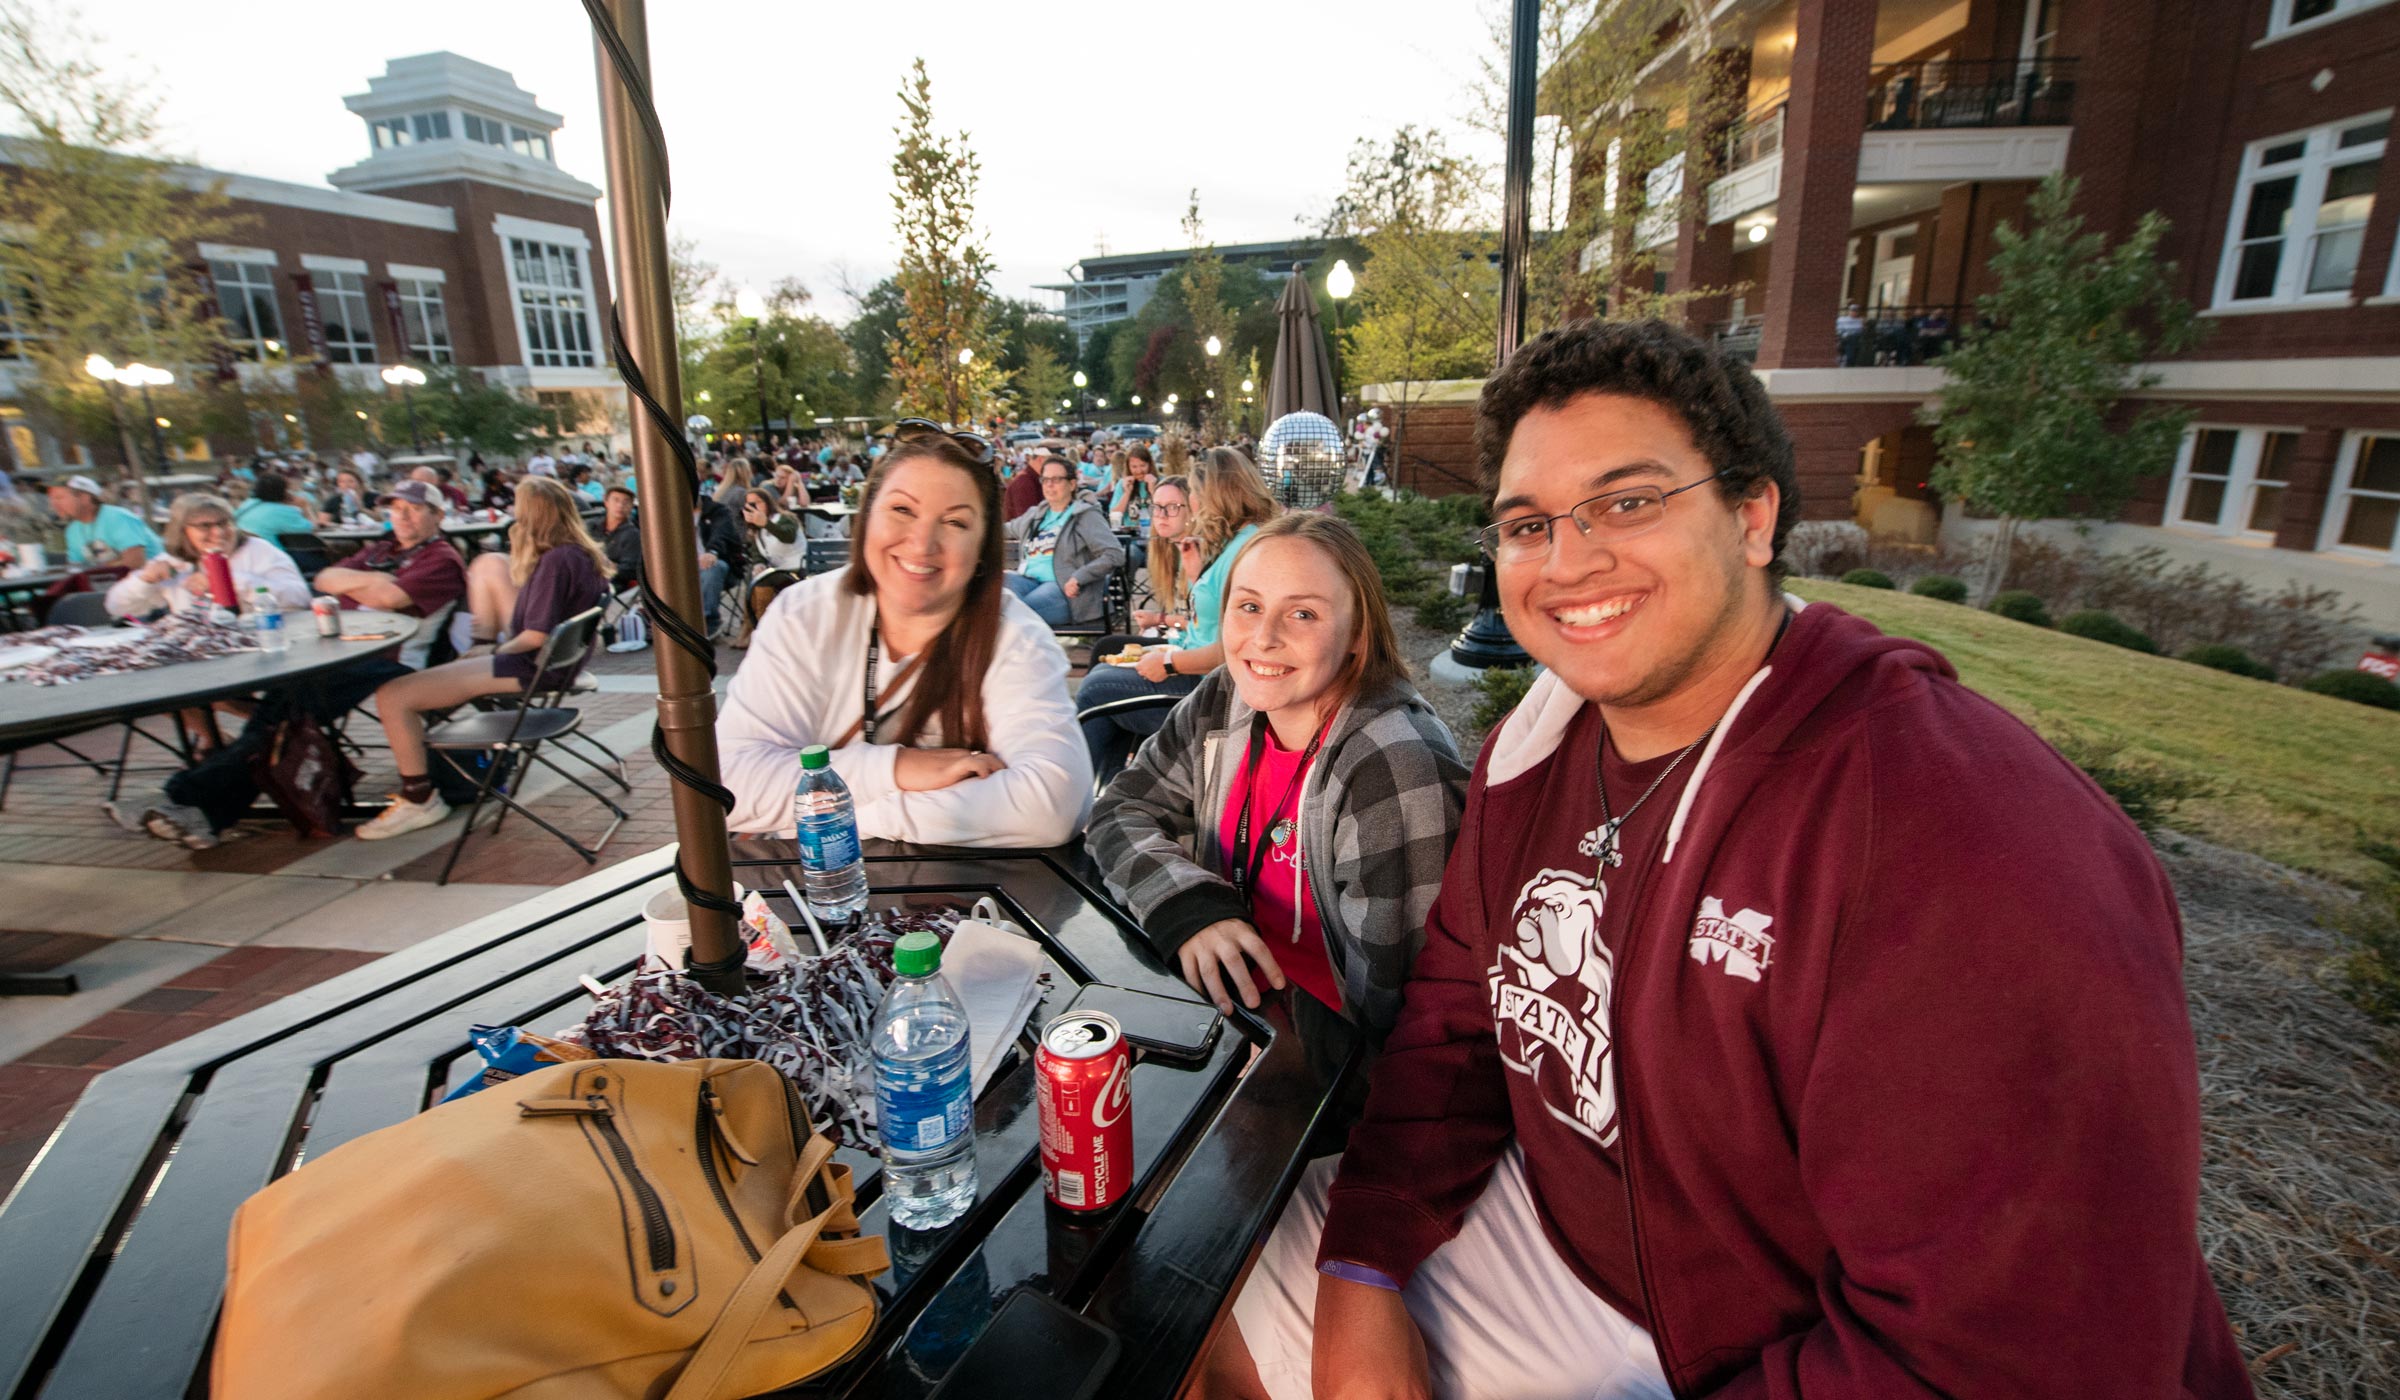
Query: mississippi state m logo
<point x="1738" y="944"/>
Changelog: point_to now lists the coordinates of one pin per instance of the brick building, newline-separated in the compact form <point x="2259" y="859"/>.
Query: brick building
<point x="1852" y="208"/>
<point x="455" y="240"/>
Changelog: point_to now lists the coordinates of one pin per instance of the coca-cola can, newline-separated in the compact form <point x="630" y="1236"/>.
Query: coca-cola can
<point x="1083" y="1078"/>
<point x="329" y="615"/>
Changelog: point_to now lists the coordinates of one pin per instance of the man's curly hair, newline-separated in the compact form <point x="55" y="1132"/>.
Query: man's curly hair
<point x="1721" y="403"/>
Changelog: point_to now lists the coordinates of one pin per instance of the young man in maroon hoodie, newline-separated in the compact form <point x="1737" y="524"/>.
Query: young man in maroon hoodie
<point x="1793" y="1022"/>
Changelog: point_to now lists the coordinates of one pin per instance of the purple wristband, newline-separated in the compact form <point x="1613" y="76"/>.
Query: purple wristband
<point x="1359" y="1273"/>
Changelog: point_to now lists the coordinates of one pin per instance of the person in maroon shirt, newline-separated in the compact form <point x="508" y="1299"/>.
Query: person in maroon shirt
<point x="555" y="569"/>
<point x="1793" y="1022"/>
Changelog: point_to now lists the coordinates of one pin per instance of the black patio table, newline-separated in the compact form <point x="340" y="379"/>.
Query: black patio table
<point x="17" y="593"/>
<point x="36" y="714"/>
<point x="116" y="1262"/>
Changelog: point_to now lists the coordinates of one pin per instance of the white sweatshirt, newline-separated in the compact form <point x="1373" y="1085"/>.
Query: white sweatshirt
<point x="801" y="685"/>
<point x="257" y="564"/>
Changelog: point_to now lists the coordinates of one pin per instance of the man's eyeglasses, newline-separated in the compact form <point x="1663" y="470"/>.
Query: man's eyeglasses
<point x="977" y="445"/>
<point x="1615" y="515"/>
<point x="1048" y="479"/>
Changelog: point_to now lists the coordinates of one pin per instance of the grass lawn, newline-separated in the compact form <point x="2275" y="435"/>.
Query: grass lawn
<point x="2300" y="779"/>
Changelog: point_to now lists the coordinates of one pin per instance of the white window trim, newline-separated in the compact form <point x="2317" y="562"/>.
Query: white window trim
<point x="403" y="272"/>
<point x="319" y="262"/>
<point x="2241" y="481"/>
<point x="227" y="252"/>
<point x="2315" y="159"/>
<point x="509" y="226"/>
<point x="2278" y="28"/>
<point x="2337" y="504"/>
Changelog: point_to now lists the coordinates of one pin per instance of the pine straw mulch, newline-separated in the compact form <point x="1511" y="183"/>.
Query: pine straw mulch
<point x="2300" y="1108"/>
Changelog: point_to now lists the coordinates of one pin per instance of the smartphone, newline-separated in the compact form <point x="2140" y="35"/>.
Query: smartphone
<point x="1033" y="1346"/>
<point x="1168" y="1026"/>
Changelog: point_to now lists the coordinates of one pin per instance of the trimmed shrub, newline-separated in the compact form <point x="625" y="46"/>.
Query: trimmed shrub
<point x="2356" y="686"/>
<point x="2017" y="605"/>
<point x="1444" y="611"/>
<point x="2100" y="626"/>
<point x="1941" y="587"/>
<point x="2217" y="656"/>
<point x="1502" y="688"/>
<point x="1867" y="578"/>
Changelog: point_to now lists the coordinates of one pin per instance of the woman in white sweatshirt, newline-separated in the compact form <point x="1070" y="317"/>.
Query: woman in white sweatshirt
<point x="175" y="581"/>
<point x="943" y="697"/>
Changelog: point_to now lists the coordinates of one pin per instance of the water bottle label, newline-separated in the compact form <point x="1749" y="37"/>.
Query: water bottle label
<point x="828" y="842"/>
<point x="919" y="1114"/>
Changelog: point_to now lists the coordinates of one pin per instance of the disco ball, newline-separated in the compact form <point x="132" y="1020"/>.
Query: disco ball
<point x="1301" y="457"/>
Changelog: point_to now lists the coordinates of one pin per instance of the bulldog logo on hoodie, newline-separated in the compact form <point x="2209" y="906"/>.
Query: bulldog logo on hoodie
<point x="1550" y="1000"/>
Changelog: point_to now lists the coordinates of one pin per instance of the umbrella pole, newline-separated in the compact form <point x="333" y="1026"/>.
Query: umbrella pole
<point x="1486" y="641"/>
<point x="644" y="312"/>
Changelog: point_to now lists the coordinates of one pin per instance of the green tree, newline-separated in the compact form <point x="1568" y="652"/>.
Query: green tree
<point x="1043" y="382"/>
<point x="99" y="231"/>
<point x="458" y="405"/>
<point x="2024" y="425"/>
<point x="798" y="365"/>
<point x="1428" y="299"/>
<point x="1209" y="319"/>
<point x="693" y="284"/>
<point x="944" y="361"/>
<point x="870" y="335"/>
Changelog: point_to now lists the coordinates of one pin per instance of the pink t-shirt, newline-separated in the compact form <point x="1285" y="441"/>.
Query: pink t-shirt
<point x="1278" y="781"/>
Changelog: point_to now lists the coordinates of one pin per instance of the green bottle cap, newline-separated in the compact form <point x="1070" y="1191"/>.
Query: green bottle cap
<point x="814" y="757"/>
<point x="917" y="954"/>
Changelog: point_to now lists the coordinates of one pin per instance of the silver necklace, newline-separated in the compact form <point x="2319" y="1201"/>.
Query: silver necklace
<point x="1610" y="855"/>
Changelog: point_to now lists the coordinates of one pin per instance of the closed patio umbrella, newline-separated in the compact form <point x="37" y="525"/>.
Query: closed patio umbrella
<point x="1302" y="380"/>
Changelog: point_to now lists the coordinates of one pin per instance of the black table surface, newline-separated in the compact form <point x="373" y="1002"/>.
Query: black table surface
<point x="31" y="714"/>
<point x="34" y="582"/>
<point x="115" y="1264"/>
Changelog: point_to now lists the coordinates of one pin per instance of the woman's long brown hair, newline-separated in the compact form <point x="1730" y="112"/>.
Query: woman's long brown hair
<point x="548" y="518"/>
<point x="949" y="685"/>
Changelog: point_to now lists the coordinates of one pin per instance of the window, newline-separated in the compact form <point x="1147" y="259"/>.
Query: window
<point x="390" y="132"/>
<point x="486" y="130"/>
<point x="431" y="126"/>
<point x="342" y="306"/>
<point x="408" y="130"/>
<point x="2364" y="512"/>
<point x="552" y="303"/>
<point x="2231" y="481"/>
<point x="529" y="143"/>
<point x="428" y="324"/>
<point x="246" y="299"/>
<point x="2290" y="14"/>
<point x="2300" y="214"/>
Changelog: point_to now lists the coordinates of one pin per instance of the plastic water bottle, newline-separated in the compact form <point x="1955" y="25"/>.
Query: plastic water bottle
<point x="268" y="619"/>
<point x="832" y="873"/>
<point x="924" y="1100"/>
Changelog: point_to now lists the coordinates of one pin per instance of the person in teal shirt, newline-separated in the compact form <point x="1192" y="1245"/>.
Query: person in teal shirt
<point x="98" y="533"/>
<point x="1069" y="551"/>
<point x="269" y="513"/>
<point x="1229" y="503"/>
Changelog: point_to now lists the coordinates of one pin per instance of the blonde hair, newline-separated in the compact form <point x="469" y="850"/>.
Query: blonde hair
<point x="548" y="519"/>
<point x="1228" y="495"/>
<point x="179" y="524"/>
<point x="737" y="480"/>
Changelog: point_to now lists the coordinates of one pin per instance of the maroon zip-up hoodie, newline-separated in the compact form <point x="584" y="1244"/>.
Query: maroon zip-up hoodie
<point x="1894" y="1046"/>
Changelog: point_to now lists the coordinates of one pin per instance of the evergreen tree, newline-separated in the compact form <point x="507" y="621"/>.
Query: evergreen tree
<point x="944" y="360"/>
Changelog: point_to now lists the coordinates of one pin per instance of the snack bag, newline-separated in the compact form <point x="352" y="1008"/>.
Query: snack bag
<point x="508" y="1052"/>
<point x="770" y="938"/>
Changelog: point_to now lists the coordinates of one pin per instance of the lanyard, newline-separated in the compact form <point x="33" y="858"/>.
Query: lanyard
<point x="1245" y="865"/>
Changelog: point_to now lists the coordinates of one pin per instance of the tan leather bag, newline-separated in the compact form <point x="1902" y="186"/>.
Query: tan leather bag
<point x="599" y="1228"/>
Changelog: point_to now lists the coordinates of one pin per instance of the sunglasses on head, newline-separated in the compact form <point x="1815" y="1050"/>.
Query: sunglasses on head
<point x="976" y="445"/>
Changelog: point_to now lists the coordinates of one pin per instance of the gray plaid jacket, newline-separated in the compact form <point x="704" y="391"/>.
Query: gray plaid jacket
<point x="1378" y="811"/>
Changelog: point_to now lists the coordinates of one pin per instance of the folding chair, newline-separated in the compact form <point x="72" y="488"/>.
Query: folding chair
<point x="825" y="556"/>
<point x="309" y="553"/>
<point x="91" y="610"/>
<point x="1102" y="774"/>
<point x="520" y="731"/>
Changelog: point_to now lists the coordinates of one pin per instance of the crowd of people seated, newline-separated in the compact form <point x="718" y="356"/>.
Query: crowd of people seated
<point x="1686" y="1073"/>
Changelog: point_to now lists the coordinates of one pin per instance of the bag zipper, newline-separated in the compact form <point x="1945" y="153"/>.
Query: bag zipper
<point x="654" y="1211"/>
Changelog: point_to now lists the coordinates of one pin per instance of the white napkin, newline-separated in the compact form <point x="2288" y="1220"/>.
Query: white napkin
<point x="994" y="969"/>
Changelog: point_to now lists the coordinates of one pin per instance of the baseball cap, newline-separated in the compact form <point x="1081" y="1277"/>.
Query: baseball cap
<point x="86" y="485"/>
<point x="415" y="493"/>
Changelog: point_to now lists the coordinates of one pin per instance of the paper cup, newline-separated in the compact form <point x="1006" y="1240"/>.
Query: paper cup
<point x="668" y="920"/>
<point x="32" y="558"/>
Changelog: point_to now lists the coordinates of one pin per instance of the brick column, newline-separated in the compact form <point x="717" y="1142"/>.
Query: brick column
<point x="1703" y="260"/>
<point x="1823" y="122"/>
<point x="2313" y="459"/>
<point x="1703" y="256"/>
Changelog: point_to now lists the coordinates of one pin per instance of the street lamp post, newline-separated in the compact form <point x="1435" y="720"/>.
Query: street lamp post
<point x="148" y="376"/>
<point x="1080" y="411"/>
<point x="1214" y="347"/>
<point x="408" y="377"/>
<point x="749" y="303"/>
<point x="102" y="368"/>
<point x="1339" y="283"/>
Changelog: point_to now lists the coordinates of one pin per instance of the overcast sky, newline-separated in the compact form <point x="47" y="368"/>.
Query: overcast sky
<point x="1092" y="120"/>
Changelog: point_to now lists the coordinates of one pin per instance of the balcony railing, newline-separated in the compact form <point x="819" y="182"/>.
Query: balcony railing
<point x="1756" y="136"/>
<point x="1883" y="335"/>
<point x="1936" y="94"/>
